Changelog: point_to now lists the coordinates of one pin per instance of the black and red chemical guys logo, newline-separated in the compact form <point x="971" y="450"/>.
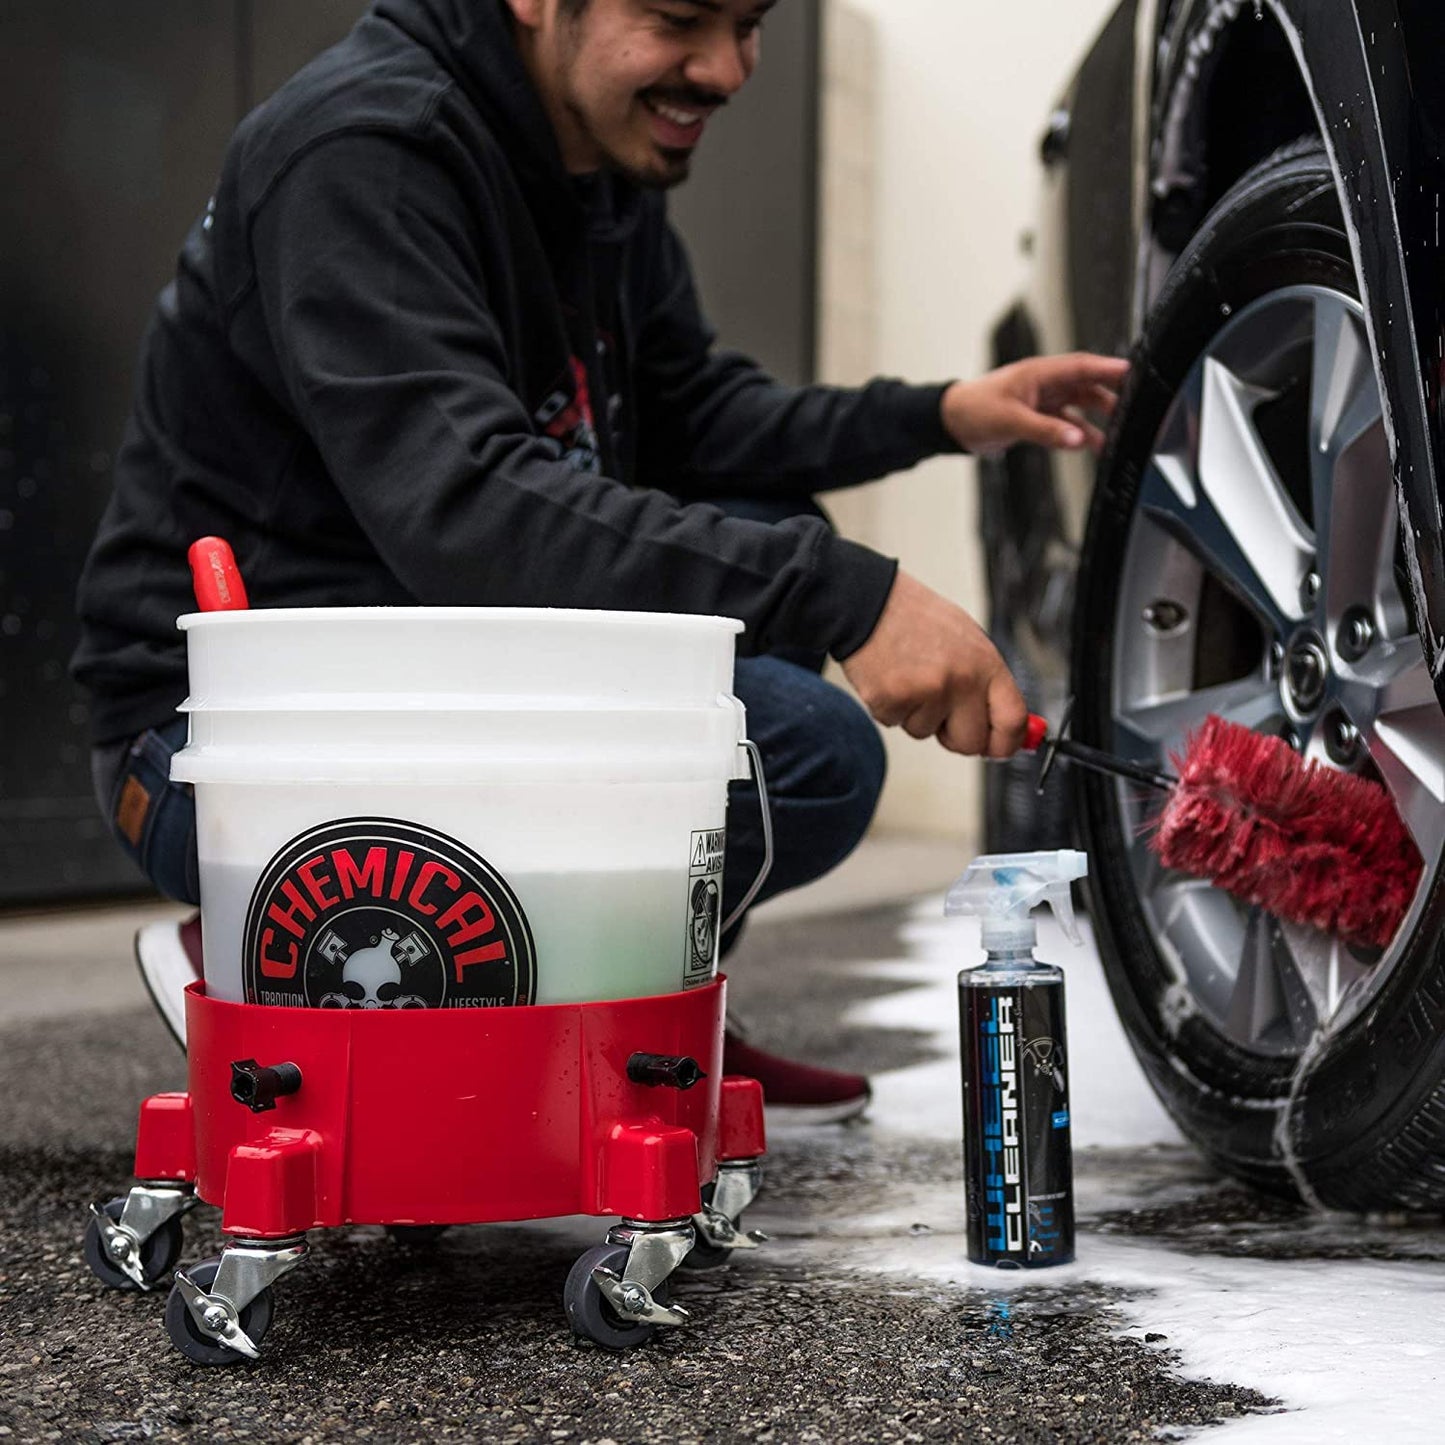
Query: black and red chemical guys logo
<point x="380" y="914"/>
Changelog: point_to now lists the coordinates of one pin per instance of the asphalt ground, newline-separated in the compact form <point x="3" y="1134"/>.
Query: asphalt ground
<point x="466" y="1340"/>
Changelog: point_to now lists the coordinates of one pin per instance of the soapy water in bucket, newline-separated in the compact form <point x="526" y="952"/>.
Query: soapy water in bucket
<point x="594" y="934"/>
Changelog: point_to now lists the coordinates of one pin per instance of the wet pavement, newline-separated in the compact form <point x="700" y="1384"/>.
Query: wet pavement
<point x="860" y="1321"/>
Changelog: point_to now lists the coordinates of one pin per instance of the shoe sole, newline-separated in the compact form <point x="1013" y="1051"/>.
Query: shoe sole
<point x="161" y="960"/>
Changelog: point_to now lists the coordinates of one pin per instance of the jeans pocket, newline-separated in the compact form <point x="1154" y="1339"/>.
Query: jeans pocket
<point x="154" y="819"/>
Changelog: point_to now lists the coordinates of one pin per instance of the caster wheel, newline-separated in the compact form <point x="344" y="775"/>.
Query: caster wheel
<point x="200" y="1348"/>
<point x="706" y="1256"/>
<point x="158" y="1255"/>
<point x="415" y="1236"/>
<point x="591" y="1317"/>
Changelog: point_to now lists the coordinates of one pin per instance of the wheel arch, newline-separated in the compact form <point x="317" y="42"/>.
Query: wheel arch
<point x="1350" y="63"/>
<point x="1203" y="138"/>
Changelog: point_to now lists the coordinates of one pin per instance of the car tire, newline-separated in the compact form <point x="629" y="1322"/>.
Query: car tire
<point x="1350" y="1114"/>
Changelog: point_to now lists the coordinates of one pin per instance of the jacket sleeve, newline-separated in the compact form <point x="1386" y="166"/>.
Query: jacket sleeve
<point x="371" y="280"/>
<point x="712" y="422"/>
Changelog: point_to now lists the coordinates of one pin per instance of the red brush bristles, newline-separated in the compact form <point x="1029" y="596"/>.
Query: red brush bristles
<point x="1304" y="842"/>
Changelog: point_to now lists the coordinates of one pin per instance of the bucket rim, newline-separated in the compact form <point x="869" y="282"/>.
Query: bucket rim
<point x="559" y="616"/>
<point x="459" y="704"/>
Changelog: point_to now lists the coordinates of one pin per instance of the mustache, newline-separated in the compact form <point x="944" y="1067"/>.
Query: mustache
<point x="686" y="97"/>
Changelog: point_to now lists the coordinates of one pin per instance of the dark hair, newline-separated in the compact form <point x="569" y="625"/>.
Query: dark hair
<point x="573" y="7"/>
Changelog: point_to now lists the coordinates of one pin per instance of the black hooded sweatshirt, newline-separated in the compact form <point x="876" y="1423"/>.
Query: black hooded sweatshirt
<point x="407" y="359"/>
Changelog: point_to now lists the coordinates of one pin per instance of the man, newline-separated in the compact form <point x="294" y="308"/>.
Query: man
<point x="434" y="342"/>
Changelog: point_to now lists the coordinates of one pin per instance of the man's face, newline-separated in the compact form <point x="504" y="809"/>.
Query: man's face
<point x="631" y="84"/>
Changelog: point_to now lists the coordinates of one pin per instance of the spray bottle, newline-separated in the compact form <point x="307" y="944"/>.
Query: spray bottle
<point x="1017" y="1156"/>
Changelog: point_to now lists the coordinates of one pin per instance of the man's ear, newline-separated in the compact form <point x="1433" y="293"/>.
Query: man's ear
<point x="528" y="13"/>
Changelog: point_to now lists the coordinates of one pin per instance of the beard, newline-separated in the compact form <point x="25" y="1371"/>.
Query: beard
<point x="675" y="168"/>
<point x="666" y="167"/>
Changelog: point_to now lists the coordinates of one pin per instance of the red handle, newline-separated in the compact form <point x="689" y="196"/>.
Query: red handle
<point x="216" y="577"/>
<point x="1038" y="730"/>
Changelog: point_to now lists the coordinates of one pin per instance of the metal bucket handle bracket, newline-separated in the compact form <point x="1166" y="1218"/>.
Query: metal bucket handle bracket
<point x="755" y="759"/>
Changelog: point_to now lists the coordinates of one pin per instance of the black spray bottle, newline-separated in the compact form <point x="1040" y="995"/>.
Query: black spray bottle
<point x="1017" y="1156"/>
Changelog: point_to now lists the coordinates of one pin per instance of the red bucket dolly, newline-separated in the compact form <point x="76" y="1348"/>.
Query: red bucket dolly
<point x="301" y="1119"/>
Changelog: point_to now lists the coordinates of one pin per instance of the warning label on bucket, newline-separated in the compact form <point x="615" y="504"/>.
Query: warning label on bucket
<point x="704" y="906"/>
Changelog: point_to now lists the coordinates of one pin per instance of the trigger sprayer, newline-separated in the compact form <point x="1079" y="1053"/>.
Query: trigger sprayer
<point x="1017" y="1154"/>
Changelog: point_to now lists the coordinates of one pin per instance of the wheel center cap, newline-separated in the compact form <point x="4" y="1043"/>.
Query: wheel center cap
<point x="1306" y="670"/>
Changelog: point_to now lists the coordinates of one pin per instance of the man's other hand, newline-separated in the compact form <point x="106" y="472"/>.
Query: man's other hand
<point x="930" y="668"/>
<point x="1049" y="400"/>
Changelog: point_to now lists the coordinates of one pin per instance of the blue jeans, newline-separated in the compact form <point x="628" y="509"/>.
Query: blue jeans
<point x="152" y="818"/>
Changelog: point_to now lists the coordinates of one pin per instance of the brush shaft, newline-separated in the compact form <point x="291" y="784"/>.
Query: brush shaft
<point x="1102" y="762"/>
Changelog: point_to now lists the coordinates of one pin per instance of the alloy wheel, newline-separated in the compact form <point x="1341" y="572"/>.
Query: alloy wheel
<point x="1263" y="580"/>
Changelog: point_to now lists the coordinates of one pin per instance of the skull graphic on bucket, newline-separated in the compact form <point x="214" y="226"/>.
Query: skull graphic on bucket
<point x="377" y="913"/>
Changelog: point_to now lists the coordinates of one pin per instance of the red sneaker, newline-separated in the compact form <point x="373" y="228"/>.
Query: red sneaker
<point x="797" y="1093"/>
<point x="169" y="957"/>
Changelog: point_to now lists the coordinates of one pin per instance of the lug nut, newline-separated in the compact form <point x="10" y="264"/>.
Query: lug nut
<point x="1276" y="660"/>
<point x="1342" y="739"/>
<point x="1291" y="739"/>
<point x="1356" y="635"/>
<point x="1309" y="590"/>
<point x="214" y="1317"/>
<point x="1307" y="672"/>
<point x="1164" y="615"/>
<point x="120" y="1246"/>
<point x="633" y="1300"/>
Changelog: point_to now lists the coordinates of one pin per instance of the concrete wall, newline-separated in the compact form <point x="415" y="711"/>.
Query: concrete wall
<point x="932" y="114"/>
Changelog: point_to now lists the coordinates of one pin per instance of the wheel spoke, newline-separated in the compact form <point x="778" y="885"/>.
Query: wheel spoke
<point x="1344" y="396"/>
<point x="1390" y="697"/>
<point x="1259" y="1002"/>
<point x="1407" y="750"/>
<point x="1352" y="484"/>
<point x="1206" y="930"/>
<point x="1230" y="512"/>
<point x="1254" y="529"/>
<point x="1396" y="676"/>
<point x="1151" y="730"/>
<point x="1170" y="498"/>
<point x="1324" y="966"/>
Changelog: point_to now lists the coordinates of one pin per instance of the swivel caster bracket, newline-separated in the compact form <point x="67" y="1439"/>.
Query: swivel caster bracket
<point x="654" y="1251"/>
<point x="737" y="1185"/>
<point x="148" y="1209"/>
<point x="246" y="1270"/>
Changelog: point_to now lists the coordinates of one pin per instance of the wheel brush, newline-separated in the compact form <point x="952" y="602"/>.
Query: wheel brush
<point x="1247" y="813"/>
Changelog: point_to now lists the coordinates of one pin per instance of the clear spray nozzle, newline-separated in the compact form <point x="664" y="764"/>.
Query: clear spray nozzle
<point x="1003" y="889"/>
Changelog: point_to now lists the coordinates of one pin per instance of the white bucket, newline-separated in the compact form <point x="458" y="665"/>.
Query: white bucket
<point x="459" y="807"/>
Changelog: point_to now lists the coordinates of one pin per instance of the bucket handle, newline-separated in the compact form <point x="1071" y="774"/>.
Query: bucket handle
<point x="755" y="759"/>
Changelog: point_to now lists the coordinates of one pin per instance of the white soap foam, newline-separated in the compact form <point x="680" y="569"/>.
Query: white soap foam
<point x="1351" y="1348"/>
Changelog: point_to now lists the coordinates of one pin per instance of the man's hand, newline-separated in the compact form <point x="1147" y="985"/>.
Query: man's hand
<point x="931" y="668"/>
<point x="1045" y="399"/>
